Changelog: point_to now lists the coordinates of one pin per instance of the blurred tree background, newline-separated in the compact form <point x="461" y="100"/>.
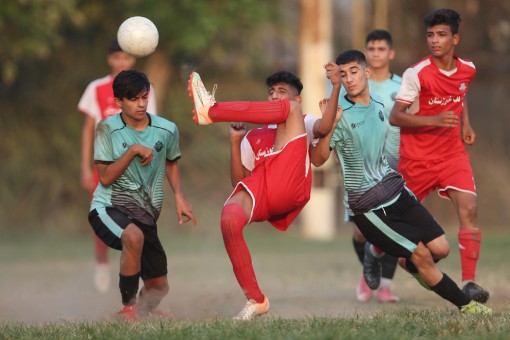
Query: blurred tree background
<point x="51" y="49"/>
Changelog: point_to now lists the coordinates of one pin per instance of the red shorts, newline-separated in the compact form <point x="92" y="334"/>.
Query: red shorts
<point x="451" y="173"/>
<point x="280" y="185"/>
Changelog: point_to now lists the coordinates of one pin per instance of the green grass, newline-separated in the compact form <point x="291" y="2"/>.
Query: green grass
<point x="404" y="324"/>
<point x="310" y="285"/>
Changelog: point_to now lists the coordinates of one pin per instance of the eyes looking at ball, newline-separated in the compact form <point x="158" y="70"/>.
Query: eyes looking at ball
<point x="119" y="61"/>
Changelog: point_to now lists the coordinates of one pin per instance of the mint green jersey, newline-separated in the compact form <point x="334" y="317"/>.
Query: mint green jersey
<point x="138" y="192"/>
<point x="387" y="91"/>
<point x="358" y="141"/>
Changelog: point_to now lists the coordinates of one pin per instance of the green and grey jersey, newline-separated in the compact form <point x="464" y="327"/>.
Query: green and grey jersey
<point x="138" y="192"/>
<point x="358" y="141"/>
<point x="387" y="91"/>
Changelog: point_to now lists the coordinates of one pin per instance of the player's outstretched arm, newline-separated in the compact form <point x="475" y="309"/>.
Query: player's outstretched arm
<point x="323" y="126"/>
<point x="109" y="172"/>
<point x="87" y="145"/>
<point x="182" y="206"/>
<point x="237" y="170"/>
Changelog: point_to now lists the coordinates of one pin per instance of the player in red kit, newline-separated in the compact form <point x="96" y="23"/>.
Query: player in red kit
<point x="270" y="168"/>
<point x="432" y="112"/>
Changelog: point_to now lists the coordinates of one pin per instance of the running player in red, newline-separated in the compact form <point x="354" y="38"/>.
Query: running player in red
<point x="432" y="113"/>
<point x="270" y="168"/>
<point x="97" y="103"/>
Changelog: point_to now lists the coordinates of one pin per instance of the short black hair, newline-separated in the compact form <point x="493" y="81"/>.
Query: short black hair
<point x="379" y="34"/>
<point x="287" y="78"/>
<point x="114" y="46"/>
<point x="443" y="16"/>
<point x="129" y="84"/>
<point x="351" y="55"/>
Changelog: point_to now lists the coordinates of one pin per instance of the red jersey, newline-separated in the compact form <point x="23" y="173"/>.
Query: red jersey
<point x="431" y="91"/>
<point x="98" y="101"/>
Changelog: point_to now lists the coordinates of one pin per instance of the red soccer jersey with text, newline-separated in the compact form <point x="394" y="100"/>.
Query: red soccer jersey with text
<point x="431" y="91"/>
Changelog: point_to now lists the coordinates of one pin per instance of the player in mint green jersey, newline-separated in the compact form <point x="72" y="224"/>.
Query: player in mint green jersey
<point x="134" y="151"/>
<point x="386" y="212"/>
<point x="386" y="85"/>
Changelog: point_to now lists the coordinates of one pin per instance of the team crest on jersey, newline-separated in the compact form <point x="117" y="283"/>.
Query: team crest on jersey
<point x="125" y="145"/>
<point x="381" y="116"/>
<point x="158" y="146"/>
<point x="462" y="87"/>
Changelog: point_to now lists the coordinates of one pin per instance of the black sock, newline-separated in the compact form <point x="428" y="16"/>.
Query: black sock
<point x="389" y="264"/>
<point x="129" y="288"/>
<point x="448" y="290"/>
<point x="359" y="248"/>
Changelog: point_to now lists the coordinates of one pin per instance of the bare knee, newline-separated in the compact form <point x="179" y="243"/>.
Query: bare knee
<point x="132" y="238"/>
<point x="440" y="248"/>
<point x="159" y="285"/>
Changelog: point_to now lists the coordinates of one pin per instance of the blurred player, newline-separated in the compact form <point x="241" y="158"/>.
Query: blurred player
<point x="385" y="84"/>
<point x="385" y="211"/>
<point x="134" y="151"/>
<point x="431" y="109"/>
<point x="270" y="168"/>
<point x="97" y="103"/>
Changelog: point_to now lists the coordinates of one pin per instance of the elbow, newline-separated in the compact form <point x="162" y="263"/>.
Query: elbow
<point x="393" y="120"/>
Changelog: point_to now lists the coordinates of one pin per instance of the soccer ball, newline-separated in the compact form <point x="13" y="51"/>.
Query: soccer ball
<point x="138" y="36"/>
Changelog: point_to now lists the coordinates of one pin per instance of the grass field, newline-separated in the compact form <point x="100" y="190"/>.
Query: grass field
<point x="46" y="291"/>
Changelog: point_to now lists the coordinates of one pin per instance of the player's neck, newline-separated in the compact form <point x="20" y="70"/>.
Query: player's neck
<point x="446" y="62"/>
<point x="380" y="74"/>
<point x="136" y="124"/>
<point x="363" y="98"/>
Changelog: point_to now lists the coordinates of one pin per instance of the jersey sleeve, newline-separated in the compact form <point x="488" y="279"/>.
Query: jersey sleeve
<point x="103" y="149"/>
<point x="173" y="151"/>
<point x="247" y="155"/>
<point x="309" y="123"/>
<point x="410" y="87"/>
<point x="88" y="104"/>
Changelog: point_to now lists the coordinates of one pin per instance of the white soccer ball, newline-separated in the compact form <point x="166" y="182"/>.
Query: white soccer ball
<point x="138" y="36"/>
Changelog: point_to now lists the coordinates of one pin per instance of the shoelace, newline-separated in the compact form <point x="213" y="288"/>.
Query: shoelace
<point x="245" y="312"/>
<point x="204" y="94"/>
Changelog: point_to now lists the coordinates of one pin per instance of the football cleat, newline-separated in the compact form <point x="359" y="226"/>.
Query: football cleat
<point x="128" y="313"/>
<point x="202" y="99"/>
<point x="385" y="295"/>
<point x="475" y="292"/>
<point x="476" y="308"/>
<point x="402" y="263"/>
<point x="363" y="292"/>
<point x="102" y="277"/>
<point x="372" y="269"/>
<point x="253" y="309"/>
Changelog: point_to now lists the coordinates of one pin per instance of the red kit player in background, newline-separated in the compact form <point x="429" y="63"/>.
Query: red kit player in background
<point x="432" y="112"/>
<point x="97" y="103"/>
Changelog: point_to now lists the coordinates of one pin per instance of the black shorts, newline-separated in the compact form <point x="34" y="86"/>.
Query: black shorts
<point x="398" y="228"/>
<point x="109" y="223"/>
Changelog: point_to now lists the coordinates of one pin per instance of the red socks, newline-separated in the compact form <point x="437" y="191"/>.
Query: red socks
<point x="101" y="250"/>
<point x="269" y="112"/>
<point x="469" y="245"/>
<point x="233" y="220"/>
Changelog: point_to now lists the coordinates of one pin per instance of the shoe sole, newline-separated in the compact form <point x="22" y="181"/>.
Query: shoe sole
<point x="197" y="118"/>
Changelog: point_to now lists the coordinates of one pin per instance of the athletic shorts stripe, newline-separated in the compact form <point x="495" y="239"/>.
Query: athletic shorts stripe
<point x="401" y="240"/>
<point x="108" y="222"/>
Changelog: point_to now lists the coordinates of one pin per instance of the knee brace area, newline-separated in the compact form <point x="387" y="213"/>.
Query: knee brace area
<point x="233" y="219"/>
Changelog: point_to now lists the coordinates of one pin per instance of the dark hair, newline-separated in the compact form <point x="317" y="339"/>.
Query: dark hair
<point x="349" y="56"/>
<point x="114" y="46"/>
<point x="443" y="16"/>
<point x="287" y="78"/>
<point x="129" y="84"/>
<point x="379" y="35"/>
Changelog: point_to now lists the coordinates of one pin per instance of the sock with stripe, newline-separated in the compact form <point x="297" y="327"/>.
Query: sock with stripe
<point x="469" y="246"/>
<point x="233" y="221"/>
<point x="269" y="112"/>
